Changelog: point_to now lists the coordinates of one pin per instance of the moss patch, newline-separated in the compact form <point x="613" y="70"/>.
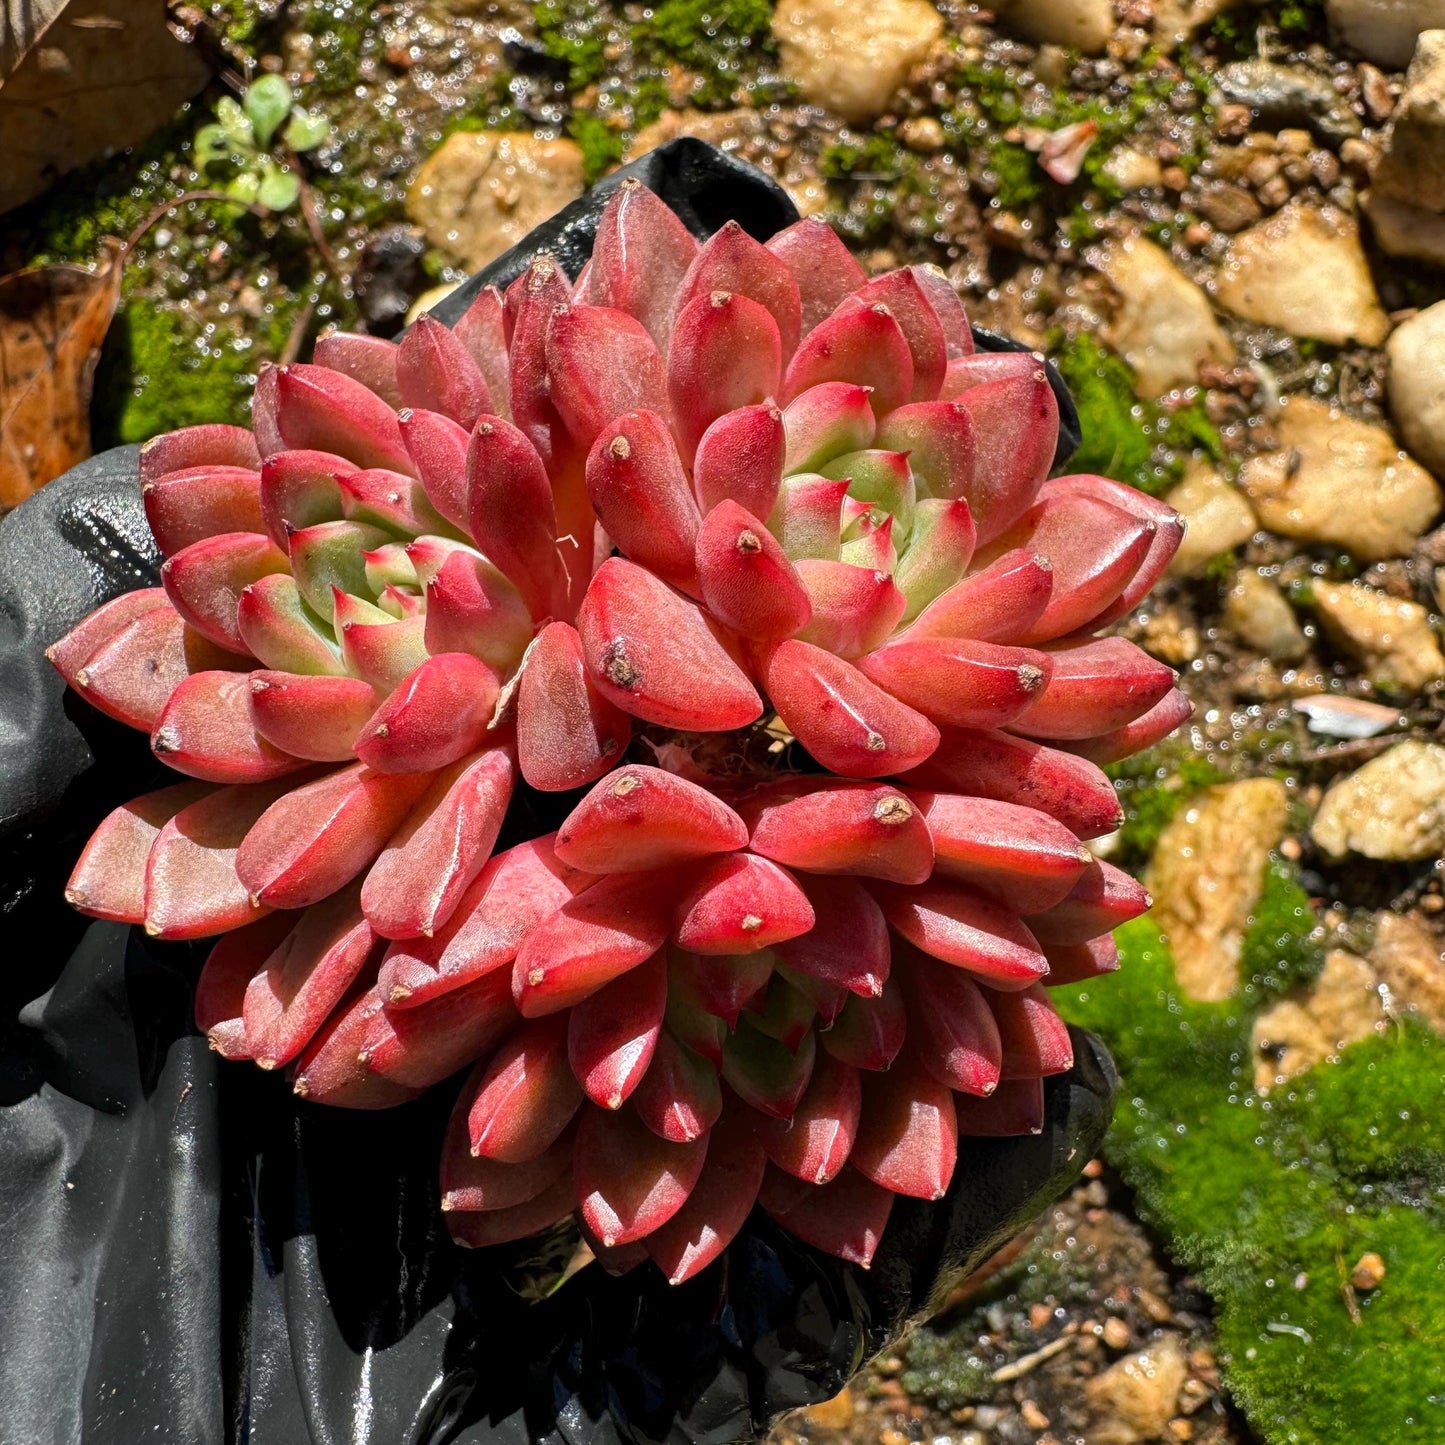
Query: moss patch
<point x="1152" y="787"/>
<point x="1272" y="1200"/>
<point x="158" y="371"/>
<point x="1134" y="441"/>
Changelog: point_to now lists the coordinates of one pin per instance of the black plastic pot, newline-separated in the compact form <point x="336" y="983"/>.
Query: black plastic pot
<point x="189" y="1254"/>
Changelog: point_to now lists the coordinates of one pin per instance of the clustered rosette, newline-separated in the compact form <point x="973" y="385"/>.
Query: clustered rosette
<point x="764" y="552"/>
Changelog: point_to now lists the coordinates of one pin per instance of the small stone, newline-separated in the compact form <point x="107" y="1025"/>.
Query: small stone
<point x="834" y="1414"/>
<point x="1417" y="383"/>
<point x="1304" y="271"/>
<point x="1207" y="874"/>
<point x="1218" y="518"/>
<point x="1274" y="193"/>
<point x="1032" y="1416"/>
<point x="1170" y="638"/>
<point x="1412" y="168"/>
<point x="480" y="192"/>
<point x="1256" y="612"/>
<point x="1229" y="207"/>
<point x="1285" y="96"/>
<point x="1384" y="31"/>
<point x="1086" y="25"/>
<point x="1134" y="1399"/>
<point x="1360" y="156"/>
<point x="853" y="58"/>
<point x="1312" y="1025"/>
<point x="1116" y="1333"/>
<point x="1132" y="170"/>
<point x="1369" y="1271"/>
<point x="1391" y="638"/>
<point x="1341" y="481"/>
<point x="722" y="128"/>
<point x="891" y="1436"/>
<point x="1392" y="809"/>
<point x="1410" y="961"/>
<point x="1375" y="91"/>
<point x="922" y="133"/>
<point x="429" y="298"/>
<point x="1164" y="326"/>
<point x="1401" y="229"/>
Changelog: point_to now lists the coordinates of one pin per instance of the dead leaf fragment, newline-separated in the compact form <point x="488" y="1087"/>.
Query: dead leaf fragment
<point x="84" y="79"/>
<point x="53" y="320"/>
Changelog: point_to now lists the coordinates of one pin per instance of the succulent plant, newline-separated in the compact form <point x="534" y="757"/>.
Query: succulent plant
<point x="756" y="560"/>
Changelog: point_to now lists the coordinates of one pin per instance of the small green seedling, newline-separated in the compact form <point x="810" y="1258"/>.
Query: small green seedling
<point x="236" y="147"/>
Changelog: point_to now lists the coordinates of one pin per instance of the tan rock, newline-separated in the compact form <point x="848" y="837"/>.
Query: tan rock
<point x="1404" y="230"/>
<point x="1313" y="1025"/>
<point x="1164" y="325"/>
<point x="1412" y="168"/>
<point x="722" y="128"/>
<point x="852" y="58"/>
<point x="1132" y="170"/>
<point x="1391" y="809"/>
<point x="1417" y="384"/>
<point x="1391" y="638"/>
<point x="1256" y="612"/>
<point x="1207" y="874"/>
<point x="432" y="296"/>
<point x="1085" y="25"/>
<point x="480" y="192"/>
<point x="1384" y="31"/>
<point x="1217" y="515"/>
<point x="1342" y="481"/>
<point x="1303" y="270"/>
<point x="1410" y="961"/>
<point x="1135" y="1398"/>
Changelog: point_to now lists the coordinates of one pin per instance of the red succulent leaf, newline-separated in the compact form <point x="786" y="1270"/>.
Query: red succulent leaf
<point x="849" y="724"/>
<point x="435" y="371"/>
<point x="526" y="1096"/>
<point x="652" y="653"/>
<point x="429" y="863"/>
<point x="630" y="1181"/>
<point x="371" y="360"/>
<point x="210" y="445"/>
<point x="908" y="1135"/>
<point x="740" y="459"/>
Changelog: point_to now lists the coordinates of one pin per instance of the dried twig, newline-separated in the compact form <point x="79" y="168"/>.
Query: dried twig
<point x="1028" y="1363"/>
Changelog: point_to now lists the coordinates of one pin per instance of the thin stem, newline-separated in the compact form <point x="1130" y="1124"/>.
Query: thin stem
<point x="183" y="199"/>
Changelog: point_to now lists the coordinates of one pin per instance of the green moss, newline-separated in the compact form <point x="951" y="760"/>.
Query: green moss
<point x="343" y="33"/>
<point x="603" y="146"/>
<point x="719" y="39"/>
<point x="1016" y="173"/>
<point x="1116" y="440"/>
<point x="722" y="42"/>
<point x="1270" y="1199"/>
<point x="157" y="371"/>
<point x="577" y="34"/>
<point x="1281" y="948"/>
<point x="876" y="156"/>
<point x="1132" y="440"/>
<point x="1152" y="787"/>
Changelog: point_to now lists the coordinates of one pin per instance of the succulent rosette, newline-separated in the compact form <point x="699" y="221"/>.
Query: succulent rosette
<point x="759" y="560"/>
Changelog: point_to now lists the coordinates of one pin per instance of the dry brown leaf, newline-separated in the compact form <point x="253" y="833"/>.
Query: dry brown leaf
<point x="53" y="320"/>
<point x="88" y="78"/>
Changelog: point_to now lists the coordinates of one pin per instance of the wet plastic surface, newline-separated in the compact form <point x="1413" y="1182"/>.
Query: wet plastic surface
<point x="190" y="1254"/>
